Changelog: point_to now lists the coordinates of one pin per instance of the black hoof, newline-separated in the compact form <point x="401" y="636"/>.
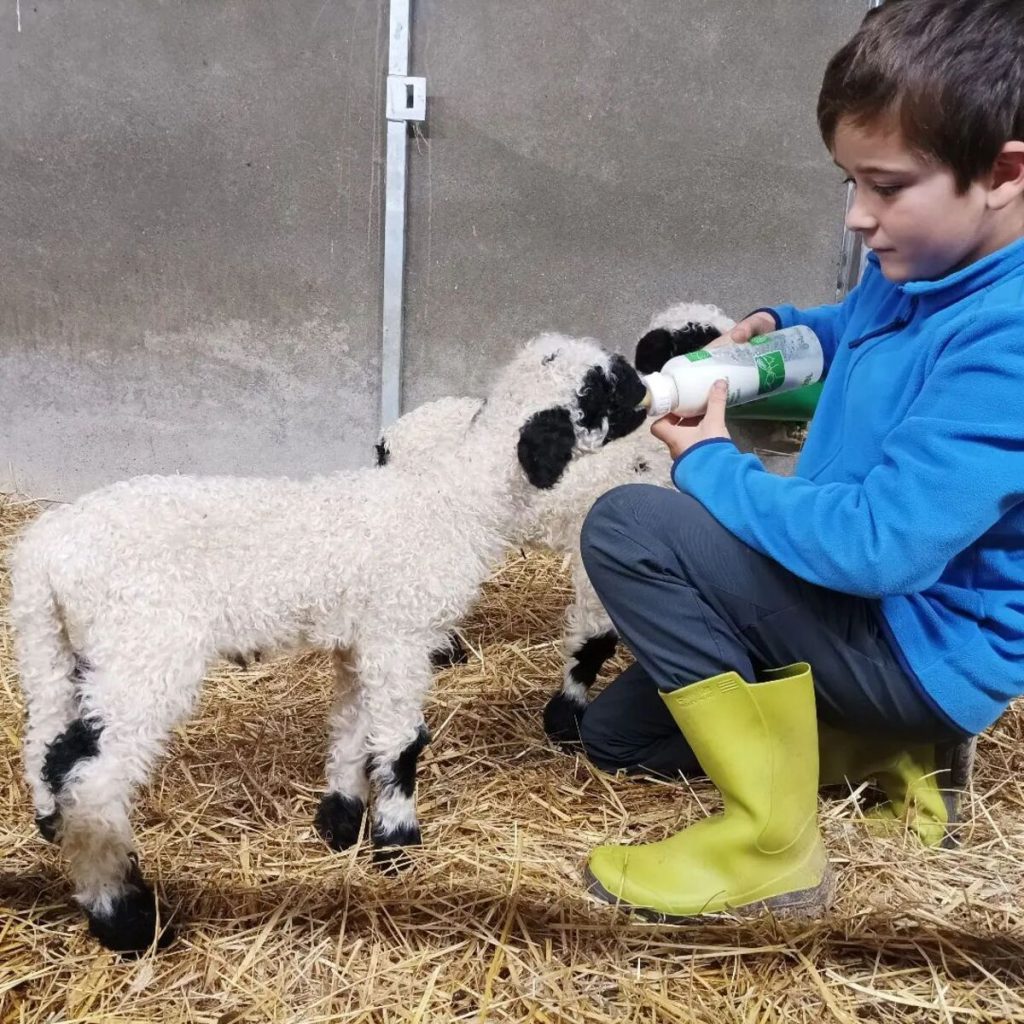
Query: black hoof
<point x="453" y="653"/>
<point x="131" y="925"/>
<point x="390" y="853"/>
<point x="48" y="825"/>
<point x="339" y="820"/>
<point x="562" y="718"/>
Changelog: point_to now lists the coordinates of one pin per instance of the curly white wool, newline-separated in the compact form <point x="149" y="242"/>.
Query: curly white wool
<point x="122" y="599"/>
<point x="554" y="521"/>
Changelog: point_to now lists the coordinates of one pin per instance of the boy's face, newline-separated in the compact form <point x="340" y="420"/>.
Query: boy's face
<point x="907" y="208"/>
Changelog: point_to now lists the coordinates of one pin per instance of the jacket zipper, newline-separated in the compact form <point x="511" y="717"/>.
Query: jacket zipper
<point x="897" y="325"/>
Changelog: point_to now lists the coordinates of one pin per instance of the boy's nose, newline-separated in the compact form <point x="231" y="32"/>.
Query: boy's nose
<point x="858" y="218"/>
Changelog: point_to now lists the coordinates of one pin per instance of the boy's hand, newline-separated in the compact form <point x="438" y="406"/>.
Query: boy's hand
<point x="680" y="435"/>
<point x="750" y="327"/>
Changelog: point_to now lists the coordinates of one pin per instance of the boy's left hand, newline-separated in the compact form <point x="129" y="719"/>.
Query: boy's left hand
<point x="682" y="434"/>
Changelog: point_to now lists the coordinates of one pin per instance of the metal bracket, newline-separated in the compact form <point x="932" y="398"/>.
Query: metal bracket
<point x="407" y="98"/>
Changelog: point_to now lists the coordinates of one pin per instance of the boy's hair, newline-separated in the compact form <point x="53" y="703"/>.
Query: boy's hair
<point x="950" y="72"/>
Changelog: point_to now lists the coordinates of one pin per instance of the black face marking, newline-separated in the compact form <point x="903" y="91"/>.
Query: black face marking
<point x="403" y="769"/>
<point x="383" y="452"/>
<point x="595" y="398"/>
<point x="593" y="653"/>
<point x="131" y="925"/>
<point x="546" y="443"/>
<point x="657" y="347"/>
<point x="628" y="392"/>
<point x="339" y="820"/>
<point x="389" y="853"/>
<point x="453" y="653"/>
<point x="78" y="741"/>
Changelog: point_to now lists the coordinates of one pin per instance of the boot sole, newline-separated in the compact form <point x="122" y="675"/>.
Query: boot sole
<point x="812" y="903"/>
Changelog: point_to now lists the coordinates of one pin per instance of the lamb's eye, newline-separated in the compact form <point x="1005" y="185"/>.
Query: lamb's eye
<point x="549" y="358"/>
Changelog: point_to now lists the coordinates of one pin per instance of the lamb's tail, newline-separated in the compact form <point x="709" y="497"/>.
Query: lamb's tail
<point x="46" y="663"/>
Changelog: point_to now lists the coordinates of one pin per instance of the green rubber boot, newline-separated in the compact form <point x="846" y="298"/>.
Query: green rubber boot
<point x="758" y="744"/>
<point x="923" y="783"/>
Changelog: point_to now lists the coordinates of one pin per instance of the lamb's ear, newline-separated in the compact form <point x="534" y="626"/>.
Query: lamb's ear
<point x="546" y="443"/>
<point x="653" y="351"/>
<point x="657" y="347"/>
<point x="383" y="452"/>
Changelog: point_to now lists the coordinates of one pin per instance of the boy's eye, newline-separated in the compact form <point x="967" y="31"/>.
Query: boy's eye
<point x="885" y="191"/>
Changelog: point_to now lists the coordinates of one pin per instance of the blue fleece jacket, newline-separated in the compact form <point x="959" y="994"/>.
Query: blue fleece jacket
<point x="910" y="488"/>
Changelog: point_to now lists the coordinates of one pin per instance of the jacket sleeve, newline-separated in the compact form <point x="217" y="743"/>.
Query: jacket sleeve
<point x="948" y="472"/>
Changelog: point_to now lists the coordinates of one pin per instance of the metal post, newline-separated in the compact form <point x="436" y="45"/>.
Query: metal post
<point x="853" y="252"/>
<point x="406" y="101"/>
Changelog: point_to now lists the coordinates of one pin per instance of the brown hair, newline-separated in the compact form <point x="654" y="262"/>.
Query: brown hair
<point x="951" y="73"/>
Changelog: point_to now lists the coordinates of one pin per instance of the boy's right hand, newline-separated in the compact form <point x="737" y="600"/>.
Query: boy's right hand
<point x="749" y="327"/>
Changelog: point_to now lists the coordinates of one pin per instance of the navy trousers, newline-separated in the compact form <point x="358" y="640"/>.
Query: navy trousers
<point x="691" y="600"/>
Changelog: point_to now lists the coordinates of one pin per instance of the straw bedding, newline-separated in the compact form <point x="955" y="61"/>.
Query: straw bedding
<point x="492" y="923"/>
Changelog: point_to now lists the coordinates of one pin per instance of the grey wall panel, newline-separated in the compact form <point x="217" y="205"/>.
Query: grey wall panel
<point x="190" y="238"/>
<point x="589" y="162"/>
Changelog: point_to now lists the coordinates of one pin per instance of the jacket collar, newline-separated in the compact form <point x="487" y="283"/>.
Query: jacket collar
<point x="975" y="277"/>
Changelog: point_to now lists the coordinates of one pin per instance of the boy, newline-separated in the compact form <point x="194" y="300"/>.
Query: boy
<point x="881" y="589"/>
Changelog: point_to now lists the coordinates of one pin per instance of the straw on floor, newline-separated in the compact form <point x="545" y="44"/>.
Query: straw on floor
<point x="492" y="923"/>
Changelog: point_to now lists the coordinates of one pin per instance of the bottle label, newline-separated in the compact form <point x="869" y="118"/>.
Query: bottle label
<point x="771" y="371"/>
<point x="769" y="364"/>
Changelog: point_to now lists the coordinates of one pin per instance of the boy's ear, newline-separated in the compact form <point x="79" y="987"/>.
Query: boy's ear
<point x="657" y="347"/>
<point x="546" y="443"/>
<point x="1007" y="176"/>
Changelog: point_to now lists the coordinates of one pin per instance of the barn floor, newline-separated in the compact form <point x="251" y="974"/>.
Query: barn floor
<point x="491" y="924"/>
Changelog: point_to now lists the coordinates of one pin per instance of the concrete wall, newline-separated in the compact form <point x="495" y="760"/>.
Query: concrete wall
<point x="191" y="239"/>
<point x="589" y="162"/>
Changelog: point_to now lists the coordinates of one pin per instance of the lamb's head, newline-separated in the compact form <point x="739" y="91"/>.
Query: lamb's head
<point x="680" y="329"/>
<point x="568" y="397"/>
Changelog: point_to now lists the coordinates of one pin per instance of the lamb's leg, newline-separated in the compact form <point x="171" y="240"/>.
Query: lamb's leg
<point x="50" y="739"/>
<point x="127" y="714"/>
<point x="588" y="642"/>
<point x="340" y="814"/>
<point x="50" y="675"/>
<point x="395" y="682"/>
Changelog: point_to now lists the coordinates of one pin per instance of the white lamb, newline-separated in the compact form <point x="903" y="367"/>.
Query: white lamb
<point x="555" y="520"/>
<point x="121" y="601"/>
